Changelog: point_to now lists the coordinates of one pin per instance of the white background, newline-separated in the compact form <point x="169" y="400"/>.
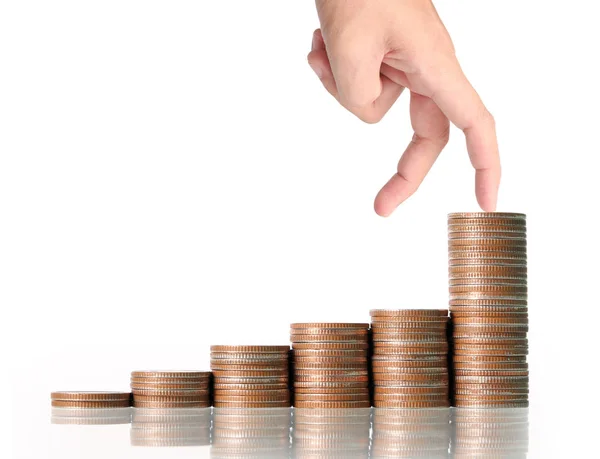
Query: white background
<point x="173" y="176"/>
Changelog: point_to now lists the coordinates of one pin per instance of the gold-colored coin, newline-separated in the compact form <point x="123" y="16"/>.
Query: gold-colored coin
<point x="91" y="396"/>
<point x="90" y="404"/>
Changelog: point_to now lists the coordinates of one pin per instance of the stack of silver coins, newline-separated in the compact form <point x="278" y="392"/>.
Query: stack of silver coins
<point x="410" y="358"/>
<point x="154" y="427"/>
<point x="331" y="433"/>
<point x="330" y="366"/>
<point x="249" y="433"/>
<point x="488" y="309"/>
<point x="250" y="376"/>
<point x="171" y="389"/>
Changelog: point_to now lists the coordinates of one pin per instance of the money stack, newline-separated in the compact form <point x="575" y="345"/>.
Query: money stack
<point x="250" y="376"/>
<point x="410" y="358"/>
<point x="168" y="427"/>
<point x="488" y="309"/>
<point x="249" y="433"/>
<point x="170" y="389"/>
<point x="330" y="366"/>
<point x="410" y="433"/>
<point x="91" y="400"/>
<point x="331" y="433"/>
<point x="493" y="432"/>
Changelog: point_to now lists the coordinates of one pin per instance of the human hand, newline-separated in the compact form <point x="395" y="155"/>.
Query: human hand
<point x="368" y="51"/>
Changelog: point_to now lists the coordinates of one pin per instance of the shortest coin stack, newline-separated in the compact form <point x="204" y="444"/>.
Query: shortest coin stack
<point x="410" y="358"/>
<point x="330" y="365"/>
<point x="250" y="376"/>
<point x="170" y="389"/>
<point x="69" y="399"/>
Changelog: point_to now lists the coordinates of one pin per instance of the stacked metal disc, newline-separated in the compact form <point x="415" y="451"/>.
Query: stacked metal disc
<point x="168" y="427"/>
<point x="330" y="366"/>
<point x="250" y="376"/>
<point x="410" y="433"/>
<point x="331" y="433"/>
<point x="488" y="309"/>
<point x="90" y="400"/>
<point x="251" y="433"/>
<point x="410" y="358"/>
<point x="493" y="432"/>
<point x="171" y="389"/>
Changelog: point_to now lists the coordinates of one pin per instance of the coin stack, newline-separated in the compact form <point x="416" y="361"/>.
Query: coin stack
<point x="330" y="366"/>
<point x="410" y="358"/>
<point x="488" y="309"/>
<point x="331" y="433"/>
<point x="251" y="433"/>
<point x="170" y="389"/>
<point x="83" y="400"/>
<point x="168" y="427"/>
<point x="250" y="376"/>
<point x="493" y="432"/>
<point x="410" y="433"/>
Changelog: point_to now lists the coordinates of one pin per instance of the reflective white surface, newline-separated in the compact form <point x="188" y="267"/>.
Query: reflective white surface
<point x="290" y="433"/>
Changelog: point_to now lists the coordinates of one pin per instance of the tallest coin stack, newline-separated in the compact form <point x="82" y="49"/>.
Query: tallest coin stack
<point x="488" y="309"/>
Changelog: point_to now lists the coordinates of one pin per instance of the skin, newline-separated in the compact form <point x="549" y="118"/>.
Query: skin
<point x="368" y="51"/>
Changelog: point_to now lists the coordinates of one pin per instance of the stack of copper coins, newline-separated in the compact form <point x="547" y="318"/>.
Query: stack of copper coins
<point x="250" y="376"/>
<point x="90" y="400"/>
<point x="488" y="309"/>
<point x="171" y="389"/>
<point x="330" y="366"/>
<point x="251" y="433"/>
<point x="493" y="432"/>
<point x="411" y="433"/>
<point x="167" y="427"/>
<point x="410" y="358"/>
<point x="331" y="433"/>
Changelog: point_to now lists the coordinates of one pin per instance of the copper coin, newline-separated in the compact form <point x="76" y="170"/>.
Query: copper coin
<point x="490" y="379"/>
<point x="488" y="282"/>
<point x="465" y="404"/>
<point x="485" y="329"/>
<point x="494" y="387"/>
<point x="381" y="338"/>
<point x="476" y="335"/>
<point x="256" y="357"/>
<point x="282" y="404"/>
<point x="332" y="404"/>
<point x="410" y="397"/>
<point x="486" y="216"/>
<point x="90" y="404"/>
<point x="422" y="345"/>
<point x="490" y="320"/>
<point x="416" y="327"/>
<point x="491" y="365"/>
<point x="331" y="346"/>
<point x="245" y="391"/>
<point x="338" y="372"/>
<point x="477" y="350"/>
<point x="251" y="398"/>
<point x="484" y="314"/>
<point x="331" y="378"/>
<point x="409" y="404"/>
<point x="170" y="374"/>
<point x="328" y="353"/>
<point x="495" y="289"/>
<point x="254" y="387"/>
<point x="487" y="243"/>
<point x="171" y="392"/>
<point x="328" y="338"/>
<point x="326" y="360"/>
<point x="330" y="325"/>
<point x="403" y="319"/>
<point x="332" y="397"/>
<point x="170" y="398"/>
<point x="267" y="367"/>
<point x="251" y="349"/>
<point x="483" y="391"/>
<point x="331" y="390"/>
<point x="299" y="367"/>
<point x="250" y="373"/>
<point x="457" y="227"/>
<point x="488" y="358"/>
<point x="381" y="364"/>
<point x="330" y="384"/>
<point x="91" y="396"/>
<point x="410" y="370"/>
<point x="412" y="390"/>
<point x="392" y="313"/>
<point x="494" y="373"/>
<point x="251" y="380"/>
<point x="329" y="331"/>
<point x="412" y="377"/>
<point x="411" y="353"/>
<point x="411" y="335"/>
<point x="146" y="386"/>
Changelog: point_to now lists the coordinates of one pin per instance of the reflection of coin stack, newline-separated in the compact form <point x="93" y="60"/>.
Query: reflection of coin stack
<point x="331" y="433"/>
<point x="502" y="433"/>
<point x="410" y="358"/>
<point x="95" y="416"/>
<point x="90" y="400"/>
<point x="410" y="433"/>
<point x="170" y="389"/>
<point x="170" y="427"/>
<point x="488" y="309"/>
<point x="251" y="433"/>
<point x="250" y="376"/>
<point x="330" y="367"/>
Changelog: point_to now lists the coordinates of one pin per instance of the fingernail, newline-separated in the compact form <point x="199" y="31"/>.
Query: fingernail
<point x="317" y="69"/>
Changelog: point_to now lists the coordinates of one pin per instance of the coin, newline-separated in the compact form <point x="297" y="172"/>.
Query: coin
<point x="250" y="373"/>
<point x="330" y="384"/>
<point x="331" y="346"/>
<point x="412" y="390"/>
<point x="299" y="397"/>
<point x="391" y="313"/>
<point x="295" y="338"/>
<point x="399" y="397"/>
<point x="266" y="367"/>
<point x="329" y="331"/>
<point x="331" y="378"/>
<point x="245" y="349"/>
<point x="332" y="404"/>
<point x="91" y="396"/>
<point x="409" y="404"/>
<point x="487" y="216"/>
<point x="240" y="404"/>
<point x="171" y="392"/>
<point x="249" y="357"/>
<point x="170" y="374"/>
<point x="328" y="353"/>
<point x="90" y="403"/>
<point x="330" y="325"/>
<point x="382" y="364"/>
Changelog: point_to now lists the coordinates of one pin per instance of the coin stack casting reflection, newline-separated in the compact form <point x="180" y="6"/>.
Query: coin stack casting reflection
<point x="90" y="400"/>
<point x="332" y="433"/>
<point x="410" y="358"/>
<point x="488" y="309"/>
<point x="156" y="427"/>
<point x="170" y="389"/>
<point x="251" y="433"/>
<point x="250" y="376"/>
<point x="330" y="366"/>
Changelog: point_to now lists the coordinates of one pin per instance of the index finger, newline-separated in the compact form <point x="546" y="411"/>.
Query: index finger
<point x="459" y="101"/>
